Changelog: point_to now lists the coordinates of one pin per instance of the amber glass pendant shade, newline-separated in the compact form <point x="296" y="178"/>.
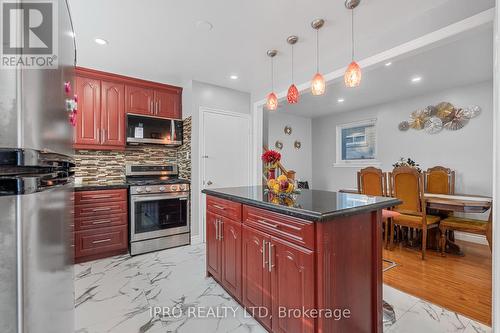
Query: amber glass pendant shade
<point x="318" y="85"/>
<point x="293" y="95"/>
<point x="352" y="77"/>
<point x="272" y="102"/>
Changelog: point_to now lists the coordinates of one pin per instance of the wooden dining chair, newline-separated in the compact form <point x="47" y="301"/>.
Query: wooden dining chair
<point x="407" y="184"/>
<point x="373" y="181"/>
<point x="439" y="180"/>
<point x="473" y="226"/>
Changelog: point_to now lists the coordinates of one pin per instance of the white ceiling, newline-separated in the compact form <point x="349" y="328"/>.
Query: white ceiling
<point x="158" y="39"/>
<point x="462" y="60"/>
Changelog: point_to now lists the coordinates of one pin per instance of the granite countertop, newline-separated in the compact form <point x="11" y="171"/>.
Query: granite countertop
<point x="312" y="205"/>
<point x="102" y="186"/>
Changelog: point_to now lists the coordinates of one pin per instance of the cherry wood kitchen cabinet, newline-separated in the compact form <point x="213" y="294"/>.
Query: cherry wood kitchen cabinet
<point x="256" y="276"/>
<point x="315" y="267"/>
<point x="104" y="99"/>
<point x="139" y="100"/>
<point x="113" y="113"/>
<point x="213" y="246"/>
<point x="88" y="117"/>
<point x="231" y="256"/>
<point x="101" y="224"/>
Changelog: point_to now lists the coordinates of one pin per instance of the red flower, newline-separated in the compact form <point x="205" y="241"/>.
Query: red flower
<point x="271" y="157"/>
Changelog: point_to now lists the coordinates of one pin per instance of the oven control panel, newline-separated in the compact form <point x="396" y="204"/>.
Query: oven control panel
<point x="164" y="188"/>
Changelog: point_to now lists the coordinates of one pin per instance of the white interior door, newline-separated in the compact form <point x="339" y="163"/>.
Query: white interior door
<point x="225" y="151"/>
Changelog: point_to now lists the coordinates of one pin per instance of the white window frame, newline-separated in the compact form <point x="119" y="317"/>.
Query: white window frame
<point x="355" y="163"/>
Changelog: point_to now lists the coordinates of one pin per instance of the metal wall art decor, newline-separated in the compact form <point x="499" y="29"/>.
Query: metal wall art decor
<point x="297" y="144"/>
<point x="445" y="115"/>
<point x="278" y="144"/>
<point x="404" y="126"/>
<point x="288" y="130"/>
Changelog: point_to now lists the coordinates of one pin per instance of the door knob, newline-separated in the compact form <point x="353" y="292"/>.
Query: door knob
<point x="209" y="183"/>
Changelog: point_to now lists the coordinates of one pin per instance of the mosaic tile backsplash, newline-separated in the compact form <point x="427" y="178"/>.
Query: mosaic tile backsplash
<point x="101" y="167"/>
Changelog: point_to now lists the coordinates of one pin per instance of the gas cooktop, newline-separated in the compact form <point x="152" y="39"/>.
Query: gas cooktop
<point x="143" y="181"/>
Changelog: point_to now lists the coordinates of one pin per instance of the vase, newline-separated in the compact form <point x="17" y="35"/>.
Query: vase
<point x="271" y="173"/>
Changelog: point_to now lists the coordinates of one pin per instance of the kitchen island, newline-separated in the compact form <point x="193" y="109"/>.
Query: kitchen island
<point x="312" y="265"/>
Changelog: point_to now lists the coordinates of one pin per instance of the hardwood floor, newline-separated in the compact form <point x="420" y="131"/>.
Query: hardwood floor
<point x="460" y="284"/>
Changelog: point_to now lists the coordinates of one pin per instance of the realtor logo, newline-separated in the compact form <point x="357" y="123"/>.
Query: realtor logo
<point x="29" y="34"/>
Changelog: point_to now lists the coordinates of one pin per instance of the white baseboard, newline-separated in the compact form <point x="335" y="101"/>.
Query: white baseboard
<point x="471" y="238"/>
<point x="196" y="239"/>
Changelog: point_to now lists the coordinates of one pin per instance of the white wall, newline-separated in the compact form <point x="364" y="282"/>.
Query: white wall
<point x="468" y="151"/>
<point x="299" y="160"/>
<point x="215" y="97"/>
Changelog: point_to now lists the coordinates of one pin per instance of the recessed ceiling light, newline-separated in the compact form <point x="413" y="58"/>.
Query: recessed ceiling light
<point x="233" y="77"/>
<point x="340" y="100"/>
<point x="101" y="41"/>
<point x="204" y="25"/>
<point x="387" y="64"/>
<point x="416" y="79"/>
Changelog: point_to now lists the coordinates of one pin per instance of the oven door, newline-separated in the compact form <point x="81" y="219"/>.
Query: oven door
<point x="158" y="215"/>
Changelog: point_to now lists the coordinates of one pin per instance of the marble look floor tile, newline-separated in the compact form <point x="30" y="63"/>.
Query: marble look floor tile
<point x="475" y="327"/>
<point x="429" y="318"/>
<point x="116" y="295"/>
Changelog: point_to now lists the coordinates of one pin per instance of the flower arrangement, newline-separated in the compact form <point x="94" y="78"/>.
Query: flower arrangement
<point x="281" y="191"/>
<point x="408" y="162"/>
<point x="271" y="158"/>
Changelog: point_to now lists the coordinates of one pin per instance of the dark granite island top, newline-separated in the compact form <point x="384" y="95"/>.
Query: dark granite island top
<point x="312" y="205"/>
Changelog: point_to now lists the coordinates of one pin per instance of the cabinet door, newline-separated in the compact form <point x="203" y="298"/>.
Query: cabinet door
<point x="213" y="246"/>
<point x="139" y="100"/>
<point x="256" y="283"/>
<point x="88" y="117"/>
<point x="231" y="256"/>
<point x="168" y="104"/>
<point x="113" y="113"/>
<point x="292" y="286"/>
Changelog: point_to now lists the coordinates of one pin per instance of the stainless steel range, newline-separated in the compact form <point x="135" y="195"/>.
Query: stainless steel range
<point x="159" y="208"/>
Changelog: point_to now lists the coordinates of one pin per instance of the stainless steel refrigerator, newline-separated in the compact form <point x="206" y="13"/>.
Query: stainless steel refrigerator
<point x="36" y="253"/>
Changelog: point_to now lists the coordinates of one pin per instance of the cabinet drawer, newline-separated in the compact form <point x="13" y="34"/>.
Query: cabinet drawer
<point x="100" y="209"/>
<point x="226" y="208"/>
<point x="98" y="241"/>
<point x="289" y="228"/>
<point x="94" y="222"/>
<point x="91" y="197"/>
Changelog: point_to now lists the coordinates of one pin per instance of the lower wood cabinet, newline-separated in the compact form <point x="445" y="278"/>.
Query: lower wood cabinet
<point x="273" y="278"/>
<point x="224" y="252"/>
<point x="101" y="224"/>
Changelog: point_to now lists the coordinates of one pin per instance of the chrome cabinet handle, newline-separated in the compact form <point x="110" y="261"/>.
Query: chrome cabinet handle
<point x="101" y="209"/>
<point x="217" y="206"/>
<point x="99" y="135"/>
<point x="272" y="225"/>
<point x="159" y="105"/>
<point x="101" y="241"/>
<point x="103" y="135"/>
<point x="151" y="107"/>
<point x="264" y="262"/>
<point x="270" y="262"/>
<point x="216" y="229"/>
<point x="221" y="230"/>
<point x="101" y="222"/>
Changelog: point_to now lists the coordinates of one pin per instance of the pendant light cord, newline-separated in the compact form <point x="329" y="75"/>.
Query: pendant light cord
<point x="292" y="63"/>
<point x="317" y="50"/>
<point x="272" y="74"/>
<point x="352" y="34"/>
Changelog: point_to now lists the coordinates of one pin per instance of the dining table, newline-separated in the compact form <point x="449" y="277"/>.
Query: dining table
<point x="444" y="204"/>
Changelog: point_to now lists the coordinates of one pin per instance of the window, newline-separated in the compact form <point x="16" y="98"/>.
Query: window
<point x="356" y="144"/>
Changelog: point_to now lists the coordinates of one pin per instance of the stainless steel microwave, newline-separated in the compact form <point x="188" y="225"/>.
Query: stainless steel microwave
<point x="150" y="130"/>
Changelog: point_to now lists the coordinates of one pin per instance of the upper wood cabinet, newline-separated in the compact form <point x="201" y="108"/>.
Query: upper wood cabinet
<point x="88" y="117"/>
<point x="161" y="103"/>
<point x="112" y="113"/>
<point x="140" y="100"/>
<point x="101" y="114"/>
<point x="168" y="104"/>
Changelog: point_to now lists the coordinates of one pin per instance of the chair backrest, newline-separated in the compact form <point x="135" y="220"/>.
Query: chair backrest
<point x="372" y="181"/>
<point x="407" y="184"/>
<point x="303" y="185"/>
<point x="489" y="229"/>
<point x="440" y="180"/>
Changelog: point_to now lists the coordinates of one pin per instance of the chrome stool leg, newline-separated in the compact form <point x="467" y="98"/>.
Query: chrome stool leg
<point x="389" y="316"/>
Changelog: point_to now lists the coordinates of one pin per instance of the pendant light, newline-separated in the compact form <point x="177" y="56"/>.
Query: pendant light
<point x="318" y="82"/>
<point x="352" y="76"/>
<point x="272" y="99"/>
<point x="293" y="93"/>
